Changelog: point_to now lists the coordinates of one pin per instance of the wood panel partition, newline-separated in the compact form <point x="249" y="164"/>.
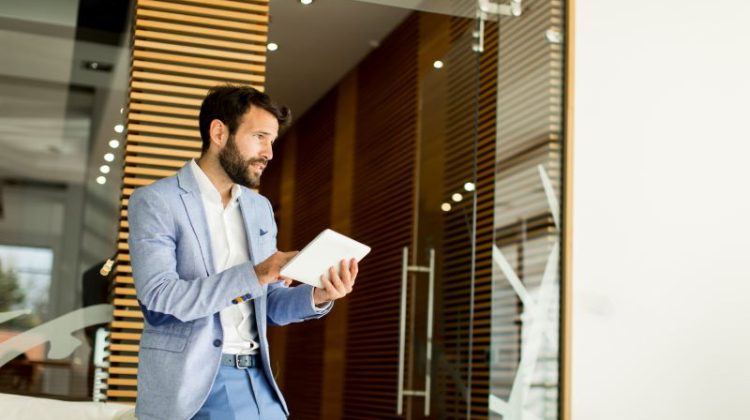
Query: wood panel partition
<point x="179" y="50"/>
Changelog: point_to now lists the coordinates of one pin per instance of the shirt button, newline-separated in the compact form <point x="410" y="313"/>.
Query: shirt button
<point x="217" y="343"/>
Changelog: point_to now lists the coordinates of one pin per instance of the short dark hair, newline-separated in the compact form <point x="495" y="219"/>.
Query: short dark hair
<point x="228" y="103"/>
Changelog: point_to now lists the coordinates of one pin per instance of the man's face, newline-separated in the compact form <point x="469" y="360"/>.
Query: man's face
<point x="247" y="151"/>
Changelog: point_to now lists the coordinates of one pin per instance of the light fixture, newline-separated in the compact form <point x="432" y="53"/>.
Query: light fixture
<point x="469" y="186"/>
<point x="97" y="66"/>
<point x="272" y="46"/>
<point x="114" y="143"/>
<point x="446" y="207"/>
<point x="101" y="180"/>
<point x="109" y="157"/>
<point x="104" y="169"/>
<point x="306" y="2"/>
<point x="119" y="128"/>
<point x="438" y="64"/>
<point x="457" y="197"/>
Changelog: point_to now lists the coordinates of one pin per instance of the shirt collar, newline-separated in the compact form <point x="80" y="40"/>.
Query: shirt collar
<point x="207" y="188"/>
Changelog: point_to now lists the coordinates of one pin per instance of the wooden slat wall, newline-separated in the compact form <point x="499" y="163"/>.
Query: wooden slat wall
<point x="382" y="216"/>
<point x="313" y="182"/>
<point x="180" y="49"/>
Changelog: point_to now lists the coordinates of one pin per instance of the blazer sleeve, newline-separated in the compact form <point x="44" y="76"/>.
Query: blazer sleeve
<point x="162" y="294"/>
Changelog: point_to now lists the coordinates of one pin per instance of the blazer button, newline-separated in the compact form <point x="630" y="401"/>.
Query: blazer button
<point x="217" y="343"/>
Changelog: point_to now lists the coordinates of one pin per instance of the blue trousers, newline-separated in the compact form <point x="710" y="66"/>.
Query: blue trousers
<point x="241" y="394"/>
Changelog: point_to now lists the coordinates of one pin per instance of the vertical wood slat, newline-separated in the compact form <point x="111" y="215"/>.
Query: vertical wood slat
<point x="179" y="51"/>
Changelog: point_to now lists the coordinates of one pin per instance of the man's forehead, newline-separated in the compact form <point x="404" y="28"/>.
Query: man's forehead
<point x="259" y="119"/>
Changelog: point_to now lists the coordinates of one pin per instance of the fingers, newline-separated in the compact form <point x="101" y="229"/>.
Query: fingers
<point x="346" y="277"/>
<point x="287" y="281"/>
<point x="336" y="282"/>
<point x="353" y="269"/>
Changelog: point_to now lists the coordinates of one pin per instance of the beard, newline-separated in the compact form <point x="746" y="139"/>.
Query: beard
<point x="237" y="168"/>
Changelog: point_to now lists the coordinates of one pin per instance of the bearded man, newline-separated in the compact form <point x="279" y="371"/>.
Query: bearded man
<point x="206" y="271"/>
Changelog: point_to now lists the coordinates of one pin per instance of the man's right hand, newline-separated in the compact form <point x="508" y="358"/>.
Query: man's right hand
<point x="268" y="270"/>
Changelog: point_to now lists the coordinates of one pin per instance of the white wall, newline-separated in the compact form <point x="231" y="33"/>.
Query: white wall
<point x="661" y="196"/>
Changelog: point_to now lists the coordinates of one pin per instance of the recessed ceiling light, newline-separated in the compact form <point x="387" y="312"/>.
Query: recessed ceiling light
<point x="119" y="128"/>
<point x="114" y="143"/>
<point x="272" y="46"/>
<point x="457" y="197"/>
<point x="97" y="66"/>
<point x="109" y="157"/>
<point x="469" y="186"/>
<point x="306" y="2"/>
<point x="104" y="169"/>
<point x="446" y="207"/>
<point x="101" y="180"/>
<point x="438" y="64"/>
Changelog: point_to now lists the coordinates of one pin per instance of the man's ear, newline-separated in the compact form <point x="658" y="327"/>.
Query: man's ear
<point x="218" y="133"/>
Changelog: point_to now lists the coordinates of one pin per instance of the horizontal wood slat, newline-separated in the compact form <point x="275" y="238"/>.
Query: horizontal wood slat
<point x="209" y="11"/>
<point x="209" y="42"/>
<point x="196" y="20"/>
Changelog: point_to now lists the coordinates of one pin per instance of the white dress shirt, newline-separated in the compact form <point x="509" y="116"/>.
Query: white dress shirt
<point x="229" y="247"/>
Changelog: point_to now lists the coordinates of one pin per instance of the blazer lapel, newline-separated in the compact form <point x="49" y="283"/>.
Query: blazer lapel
<point x="252" y="231"/>
<point x="197" y="215"/>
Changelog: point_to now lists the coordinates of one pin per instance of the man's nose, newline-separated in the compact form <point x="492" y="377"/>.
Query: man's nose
<point x="267" y="152"/>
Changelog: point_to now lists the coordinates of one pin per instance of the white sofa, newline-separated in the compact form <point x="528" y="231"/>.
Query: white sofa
<point x="19" y="407"/>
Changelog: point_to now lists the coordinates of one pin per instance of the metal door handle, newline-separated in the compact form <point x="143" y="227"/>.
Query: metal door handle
<point x="405" y="269"/>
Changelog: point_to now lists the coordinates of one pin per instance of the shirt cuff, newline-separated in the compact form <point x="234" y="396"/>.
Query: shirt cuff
<point x="318" y="309"/>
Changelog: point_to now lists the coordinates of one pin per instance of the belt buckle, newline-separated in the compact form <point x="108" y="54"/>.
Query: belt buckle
<point x="237" y="362"/>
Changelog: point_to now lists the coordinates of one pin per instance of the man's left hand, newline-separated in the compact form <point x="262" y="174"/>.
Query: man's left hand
<point x="336" y="285"/>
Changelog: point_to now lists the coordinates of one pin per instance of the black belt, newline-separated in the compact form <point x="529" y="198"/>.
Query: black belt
<point x="240" y="361"/>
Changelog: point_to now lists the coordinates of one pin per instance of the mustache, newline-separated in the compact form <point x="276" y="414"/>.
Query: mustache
<point x="253" y="161"/>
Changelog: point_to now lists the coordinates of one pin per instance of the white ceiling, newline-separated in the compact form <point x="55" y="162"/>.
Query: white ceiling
<point x="319" y="44"/>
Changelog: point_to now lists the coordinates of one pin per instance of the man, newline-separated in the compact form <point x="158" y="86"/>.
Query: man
<point x="206" y="270"/>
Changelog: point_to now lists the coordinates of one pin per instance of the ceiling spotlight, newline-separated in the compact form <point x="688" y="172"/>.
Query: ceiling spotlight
<point x="97" y="66"/>
<point x="114" y="143"/>
<point x="272" y="46"/>
<point x="469" y="186"/>
<point x="104" y="169"/>
<point x="101" y="180"/>
<point x="109" y="157"/>
<point x="446" y="207"/>
<point x="119" y="128"/>
<point x="438" y="64"/>
<point x="457" y="197"/>
<point x="306" y="2"/>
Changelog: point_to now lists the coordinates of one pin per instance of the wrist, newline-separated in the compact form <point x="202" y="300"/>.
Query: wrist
<point x="261" y="278"/>
<point x="318" y="297"/>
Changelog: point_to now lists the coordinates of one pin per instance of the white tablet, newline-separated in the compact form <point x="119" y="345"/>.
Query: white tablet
<point x="326" y="250"/>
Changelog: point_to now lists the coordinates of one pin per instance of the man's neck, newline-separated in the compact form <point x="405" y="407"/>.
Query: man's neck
<point x="218" y="178"/>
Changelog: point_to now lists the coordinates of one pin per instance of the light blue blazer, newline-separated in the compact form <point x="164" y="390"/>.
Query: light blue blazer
<point x="181" y="293"/>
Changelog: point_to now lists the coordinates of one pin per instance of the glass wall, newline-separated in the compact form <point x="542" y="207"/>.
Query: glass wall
<point x="62" y="86"/>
